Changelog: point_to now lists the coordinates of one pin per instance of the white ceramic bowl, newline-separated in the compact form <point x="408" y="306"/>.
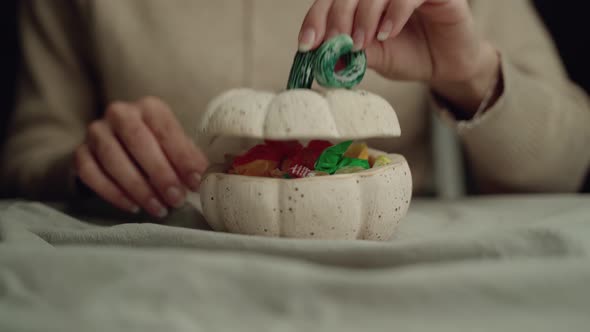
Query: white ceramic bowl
<point x="367" y="205"/>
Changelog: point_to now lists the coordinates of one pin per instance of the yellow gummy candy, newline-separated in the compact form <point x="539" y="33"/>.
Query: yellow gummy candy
<point x="357" y="151"/>
<point x="382" y="161"/>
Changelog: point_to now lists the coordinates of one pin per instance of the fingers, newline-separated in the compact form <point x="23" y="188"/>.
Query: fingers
<point x="366" y="22"/>
<point x="187" y="160"/>
<point x="446" y="12"/>
<point x="92" y="175"/>
<point x="138" y="155"/>
<point x="341" y="17"/>
<point x="397" y="15"/>
<point x="140" y="143"/>
<point x="313" y="29"/>
<point x="116" y="163"/>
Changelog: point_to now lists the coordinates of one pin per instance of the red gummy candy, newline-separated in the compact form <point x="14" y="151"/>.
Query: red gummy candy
<point x="270" y="150"/>
<point x="313" y="152"/>
<point x="258" y="152"/>
<point x="307" y="156"/>
<point x="286" y="148"/>
<point x="290" y="162"/>
<point x="319" y="145"/>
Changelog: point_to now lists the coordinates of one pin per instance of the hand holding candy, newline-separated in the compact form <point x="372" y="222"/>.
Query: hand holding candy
<point x="431" y="41"/>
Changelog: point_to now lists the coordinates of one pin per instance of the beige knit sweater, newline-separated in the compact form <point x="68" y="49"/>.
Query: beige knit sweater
<point x="80" y="55"/>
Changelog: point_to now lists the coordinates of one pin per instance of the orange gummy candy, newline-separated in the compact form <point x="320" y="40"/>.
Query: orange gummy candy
<point x="256" y="168"/>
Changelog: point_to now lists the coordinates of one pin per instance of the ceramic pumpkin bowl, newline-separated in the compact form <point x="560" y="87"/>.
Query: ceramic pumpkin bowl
<point x="366" y="205"/>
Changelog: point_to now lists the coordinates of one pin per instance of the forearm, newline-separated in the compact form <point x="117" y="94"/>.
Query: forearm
<point x="479" y="91"/>
<point x="534" y="139"/>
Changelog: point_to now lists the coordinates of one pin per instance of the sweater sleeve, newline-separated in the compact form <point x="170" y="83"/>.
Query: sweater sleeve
<point x="535" y="137"/>
<point x="55" y="102"/>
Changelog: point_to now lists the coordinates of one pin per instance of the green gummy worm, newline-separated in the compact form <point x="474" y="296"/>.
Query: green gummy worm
<point x="319" y="65"/>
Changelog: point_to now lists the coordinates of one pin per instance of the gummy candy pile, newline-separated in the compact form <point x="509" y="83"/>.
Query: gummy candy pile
<point x="292" y="160"/>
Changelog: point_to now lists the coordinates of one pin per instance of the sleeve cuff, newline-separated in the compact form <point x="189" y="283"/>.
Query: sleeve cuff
<point x="453" y="118"/>
<point x="519" y="143"/>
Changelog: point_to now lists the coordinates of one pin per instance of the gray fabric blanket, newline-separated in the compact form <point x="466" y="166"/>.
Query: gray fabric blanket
<point x="494" y="264"/>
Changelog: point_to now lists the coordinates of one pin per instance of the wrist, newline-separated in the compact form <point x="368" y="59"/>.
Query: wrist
<point x="482" y="88"/>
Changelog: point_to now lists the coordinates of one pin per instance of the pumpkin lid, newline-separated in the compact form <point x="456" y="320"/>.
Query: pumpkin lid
<point x="300" y="114"/>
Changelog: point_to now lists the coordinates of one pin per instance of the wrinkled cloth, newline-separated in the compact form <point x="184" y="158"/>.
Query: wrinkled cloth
<point x="494" y="264"/>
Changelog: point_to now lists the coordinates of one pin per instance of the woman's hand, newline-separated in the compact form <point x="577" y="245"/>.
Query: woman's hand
<point x="434" y="41"/>
<point x="138" y="156"/>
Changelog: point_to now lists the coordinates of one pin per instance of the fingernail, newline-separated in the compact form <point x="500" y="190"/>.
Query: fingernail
<point x="307" y="40"/>
<point x="195" y="181"/>
<point x="131" y="207"/>
<point x="385" y="31"/>
<point x="359" y="40"/>
<point x="163" y="213"/>
<point x="332" y="33"/>
<point x="175" y="196"/>
<point x="134" y="209"/>
<point x="157" y="208"/>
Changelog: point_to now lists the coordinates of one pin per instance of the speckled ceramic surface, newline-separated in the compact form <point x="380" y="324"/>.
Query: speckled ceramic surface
<point x="299" y="114"/>
<point x="367" y="205"/>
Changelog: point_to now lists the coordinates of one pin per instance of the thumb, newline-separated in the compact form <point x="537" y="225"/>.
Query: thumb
<point x="400" y="58"/>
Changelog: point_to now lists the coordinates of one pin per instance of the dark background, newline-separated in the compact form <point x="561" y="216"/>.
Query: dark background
<point x="567" y="21"/>
<point x="8" y="60"/>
